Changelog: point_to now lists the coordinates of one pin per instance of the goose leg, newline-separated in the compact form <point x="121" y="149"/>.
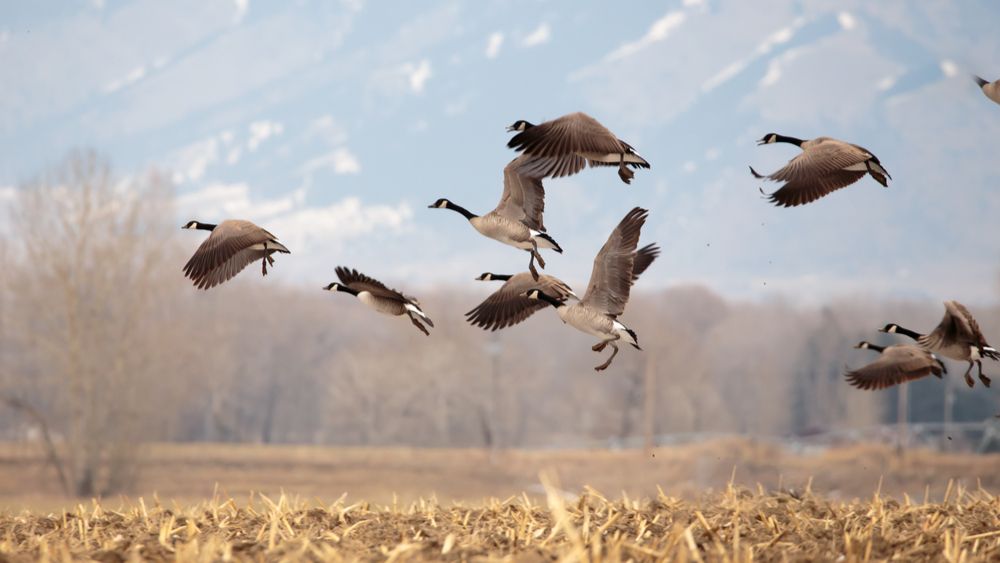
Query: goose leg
<point x="986" y="381"/>
<point x="599" y="346"/>
<point x="605" y="365"/>
<point x="531" y="266"/>
<point x="417" y="324"/>
<point x="538" y="255"/>
<point x="270" y="261"/>
<point x="968" y="378"/>
<point x="263" y="263"/>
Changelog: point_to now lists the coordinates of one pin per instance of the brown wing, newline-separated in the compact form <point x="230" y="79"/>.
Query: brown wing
<point x="611" y="278"/>
<point x="563" y="140"/>
<point x="643" y="258"/>
<point x="897" y="364"/>
<point x="360" y="282"/>
<point x="523" y="196"/>
<point x="957" y="326"/>
<point x="505" y="307"/>
<point x="801" y="192"/>
<point x="229" y="268"/>
<point x="227" y="239"/>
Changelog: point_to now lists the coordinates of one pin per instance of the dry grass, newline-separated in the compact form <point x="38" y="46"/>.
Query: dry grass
<point x="735" y="525"/>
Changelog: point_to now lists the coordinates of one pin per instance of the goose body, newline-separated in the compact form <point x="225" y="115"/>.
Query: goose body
<point x="956" y="337"/>
<point x="990" y="89"/>
<point x="566" y="144"/>
<point x="517" y="219"/>
<point x="233" y="245"/>
<point x="896" y="364"/>
<point x="824" y="166"/>
<point x="607" y="293"/>
<point x="377" y="296"/>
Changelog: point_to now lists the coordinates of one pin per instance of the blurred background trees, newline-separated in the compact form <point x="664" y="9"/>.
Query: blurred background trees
<point x="104" y="346"/>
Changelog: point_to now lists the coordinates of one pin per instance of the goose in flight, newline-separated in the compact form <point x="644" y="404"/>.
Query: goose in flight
<point x="896" y="364"/>
<point x="376" y="295"/>
<point x="825" y="165"/>
<point x="233" y="245"/>
<point x="517" y="219"/>
<point x="956" y="337"/>
<point x="608" y="291"/>
<point x="565" y="145"/>
<point x="507" y="306"/>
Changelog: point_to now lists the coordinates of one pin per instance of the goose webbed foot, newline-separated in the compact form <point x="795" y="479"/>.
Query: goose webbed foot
<point x="968" y="376"/>
<point x="531" y="268"/>
<point x="270" y="260"/>
<point x="263" y="266"/>
<point x="607" y="363"/>
<point x="982" y="377"/>
<point x="624" y="172"/>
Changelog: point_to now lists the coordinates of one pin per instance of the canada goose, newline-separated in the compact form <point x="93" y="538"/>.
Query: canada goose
<point x="507" y="307"/>
<point x="610" y="283"/>
<point x="824" y="166"/>
<point x="568" y="143"/>
<point x="517" y="219"/>
<point x="232" y="246"/>
<point x="896" y="364"/>
<point x="957" y="337"/>
<point x="376" y="295"/>
<point x="991" y="89"/>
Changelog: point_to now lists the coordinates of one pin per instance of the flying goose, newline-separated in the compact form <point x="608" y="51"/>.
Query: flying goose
<point x="232" y="246"/>
<point x="957" y="337"/>
<point x="517" y="219"/>
<point x="610" y="282"/>
<point x="376" y="295"/>
<point x="990" y="89"/>
<point x="507" y="306"/>
<point x="824" y="166"/>
<point x="568" y="143"/>
<point x="896" y="364"/>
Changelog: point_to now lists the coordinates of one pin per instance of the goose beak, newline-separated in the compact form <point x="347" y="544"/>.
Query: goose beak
<point x="762" y="141"/>
<point x="510" y="129"/>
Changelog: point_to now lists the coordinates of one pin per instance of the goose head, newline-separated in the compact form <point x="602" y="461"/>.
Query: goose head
<point x="198" y="225"/>
<point x="891" y="328"/>
<point x="519" y="125"/>
<point x="863" y="345"/>
<point x="768" y="139"/>
<point x="441" y="203"/>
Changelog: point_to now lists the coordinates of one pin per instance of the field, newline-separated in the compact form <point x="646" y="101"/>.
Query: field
<point x="723" y="500"/>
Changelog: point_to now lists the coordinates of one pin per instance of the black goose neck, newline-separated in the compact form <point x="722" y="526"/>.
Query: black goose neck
<point x="787" y="139"/>
<point x="206" y="226"/>
<point x="907" y="332"/>
<point x="500" y="277"/>
<point x="347" y="290"/>
<point x="876" y="347"/>
<point x="459" y="209"/>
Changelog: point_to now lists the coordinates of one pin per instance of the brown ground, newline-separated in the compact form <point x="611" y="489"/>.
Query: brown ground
<point x="190" y="473"/>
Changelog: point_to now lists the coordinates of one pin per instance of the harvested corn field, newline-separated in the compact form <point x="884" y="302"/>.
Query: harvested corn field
<point x="736" y="525"/>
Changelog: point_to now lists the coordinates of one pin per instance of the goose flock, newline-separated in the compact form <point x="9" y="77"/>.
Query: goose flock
<point x="563" y="147"/>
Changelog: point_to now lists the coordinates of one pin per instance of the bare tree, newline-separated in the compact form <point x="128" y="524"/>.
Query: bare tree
<point x="86" y="286"/>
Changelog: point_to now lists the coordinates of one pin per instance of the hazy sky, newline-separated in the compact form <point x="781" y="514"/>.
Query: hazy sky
<point x="335" y="124"/>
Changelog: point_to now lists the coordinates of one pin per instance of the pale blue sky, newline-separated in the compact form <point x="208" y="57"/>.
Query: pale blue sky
<point x="335" y="124"/>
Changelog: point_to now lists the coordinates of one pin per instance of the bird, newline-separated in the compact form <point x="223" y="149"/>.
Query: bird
<point x="897" y="364"/>
<point x="957" y="337"/>
<point x="824" y="166"/>
<point x="568" y="143"/>
<point x="990" y="89"/>
<point x="376" y="295"/>
<point x="232" y="246"/>
<point x="517" y="219"/>
<point x="608" y="291"/>
<point x="507" y="307"/>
